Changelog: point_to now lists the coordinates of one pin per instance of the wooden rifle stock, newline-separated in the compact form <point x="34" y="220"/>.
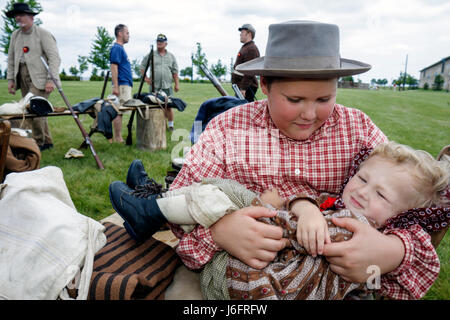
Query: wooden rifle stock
<point x="83" y="132"/>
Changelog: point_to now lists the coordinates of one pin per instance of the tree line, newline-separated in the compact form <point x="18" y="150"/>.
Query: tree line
<point x="98" y="56"/>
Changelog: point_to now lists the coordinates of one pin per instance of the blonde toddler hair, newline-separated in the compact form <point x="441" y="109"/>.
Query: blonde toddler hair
<point x="431" y="176"/>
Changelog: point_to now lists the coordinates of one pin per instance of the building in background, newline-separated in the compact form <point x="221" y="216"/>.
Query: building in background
<point x="428" y="74"/>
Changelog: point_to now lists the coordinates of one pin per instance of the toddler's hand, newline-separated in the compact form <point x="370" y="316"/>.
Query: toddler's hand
<point x="312" y="229"/>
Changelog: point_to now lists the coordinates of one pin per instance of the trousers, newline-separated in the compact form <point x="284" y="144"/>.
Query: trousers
<point x="39" y="126"/>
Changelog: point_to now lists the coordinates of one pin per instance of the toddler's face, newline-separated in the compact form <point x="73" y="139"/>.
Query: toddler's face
<point x="380" y="190"/>
<point x="300" y="107"/>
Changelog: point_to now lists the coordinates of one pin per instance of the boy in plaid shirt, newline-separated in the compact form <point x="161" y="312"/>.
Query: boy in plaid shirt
<point x="298" y="140"/>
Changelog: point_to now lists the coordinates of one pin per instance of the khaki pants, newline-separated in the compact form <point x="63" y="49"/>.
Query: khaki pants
<point x="39" y="126"/>
<point x="124" y="96"/>
<point x="124" y="93"/>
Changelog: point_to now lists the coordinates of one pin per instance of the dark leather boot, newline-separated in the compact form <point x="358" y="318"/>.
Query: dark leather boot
<point x="136" y="175"/>
<point x="141" y="214"/>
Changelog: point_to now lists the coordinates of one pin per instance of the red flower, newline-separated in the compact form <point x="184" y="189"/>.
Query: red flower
<point x="25" y="49"/>
<point x="328" y="203"/>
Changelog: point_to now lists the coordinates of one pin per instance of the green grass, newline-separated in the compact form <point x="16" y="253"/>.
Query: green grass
<point x="418" y="118"/>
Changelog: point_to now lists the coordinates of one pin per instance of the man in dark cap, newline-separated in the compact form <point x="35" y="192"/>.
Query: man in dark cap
<point x="166" y="70"/>
<point x="249" y="51"/>
<point x="26" y="70"/>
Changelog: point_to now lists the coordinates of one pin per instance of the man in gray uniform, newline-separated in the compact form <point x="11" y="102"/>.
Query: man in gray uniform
<point x="26" y="70"/>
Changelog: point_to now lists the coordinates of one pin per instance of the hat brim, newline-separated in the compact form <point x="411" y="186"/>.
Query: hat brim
<point x="13" y="13"/>
<point x="348" y="67"/>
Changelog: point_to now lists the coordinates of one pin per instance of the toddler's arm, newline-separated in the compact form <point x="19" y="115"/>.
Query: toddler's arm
<point x="312" y="229"/>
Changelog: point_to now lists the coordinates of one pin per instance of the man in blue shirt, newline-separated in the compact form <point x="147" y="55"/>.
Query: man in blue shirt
<point x="122" y="79"/>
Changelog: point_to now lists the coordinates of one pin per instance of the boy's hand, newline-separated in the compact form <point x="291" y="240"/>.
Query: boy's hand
<point x="253" y="242"/>
<point x="312" y="229"/>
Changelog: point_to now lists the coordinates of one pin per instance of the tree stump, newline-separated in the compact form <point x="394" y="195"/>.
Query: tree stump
<point x="151" y="129"/>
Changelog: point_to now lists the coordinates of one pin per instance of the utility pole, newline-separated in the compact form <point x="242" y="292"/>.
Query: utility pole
<point x="192" y="67"/>
<point x="404" y="76"/>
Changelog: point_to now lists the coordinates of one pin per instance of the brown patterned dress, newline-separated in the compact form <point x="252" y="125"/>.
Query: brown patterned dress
<point x="293" y="274"/>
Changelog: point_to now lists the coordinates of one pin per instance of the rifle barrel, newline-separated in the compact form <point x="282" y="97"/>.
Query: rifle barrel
<point x="80" y="126"/>
<point x="237" y="91"/>
<point x="213" y="79"/>
<point x="129" y="140"/>
<point x="104" y="85"/>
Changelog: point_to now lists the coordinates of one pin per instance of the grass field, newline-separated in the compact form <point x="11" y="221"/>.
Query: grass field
<point x="418" y="118"/>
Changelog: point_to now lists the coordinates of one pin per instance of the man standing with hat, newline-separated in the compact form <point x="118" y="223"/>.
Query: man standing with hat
<point x="247" y="84"/>
<point x="26" y="70"/>
<point x="166" y="70"/>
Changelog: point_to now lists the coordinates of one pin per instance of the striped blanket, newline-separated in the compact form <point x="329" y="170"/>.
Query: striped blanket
<point x="125" y="269"/>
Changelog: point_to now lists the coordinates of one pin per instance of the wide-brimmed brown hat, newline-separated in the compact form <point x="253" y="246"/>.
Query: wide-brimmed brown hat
<point x="20" y="7"/>
<point x="304" y="49"/>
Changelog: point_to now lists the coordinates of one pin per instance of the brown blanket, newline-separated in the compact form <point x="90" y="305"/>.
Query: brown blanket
<point x="125" y="269"/>
<point x="23" y="154"/>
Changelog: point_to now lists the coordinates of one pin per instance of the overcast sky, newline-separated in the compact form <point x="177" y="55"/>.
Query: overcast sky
<point x="378" y="32"/>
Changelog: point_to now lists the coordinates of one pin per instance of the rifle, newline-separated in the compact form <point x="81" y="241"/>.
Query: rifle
<point x="129" y="140"/>
<point x="153" y="74"/>
<point x="237" y="91"/>
<point x="105" y="82"/>
<point x="92" y="131"/>
<point x="213" y="79"/>
<point x="83" y="132"/>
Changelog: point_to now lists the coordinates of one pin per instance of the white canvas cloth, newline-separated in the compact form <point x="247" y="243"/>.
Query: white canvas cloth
<point x="16" y="107"/>
<point x="44" y="242"/>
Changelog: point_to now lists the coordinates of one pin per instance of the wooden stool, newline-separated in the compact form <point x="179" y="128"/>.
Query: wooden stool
<point x="151" y="129"/>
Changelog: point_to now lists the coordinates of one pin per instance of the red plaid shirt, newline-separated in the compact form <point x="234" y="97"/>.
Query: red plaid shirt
<point x="243" y="144"/>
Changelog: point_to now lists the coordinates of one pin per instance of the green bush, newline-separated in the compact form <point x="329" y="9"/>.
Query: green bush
<point x="426" y="86"/>
<point x="438" y="83"/>
<point x="65" y="77"/>
<point x="95" y="77"/>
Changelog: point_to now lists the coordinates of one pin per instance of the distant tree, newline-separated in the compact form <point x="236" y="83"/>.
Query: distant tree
<point x="348" y="78"/>
<point x="409" y="80"/>
<point x="219" y="69"/>
<point x="9" y="24"/>
<point x="199" y="58"/>
<point x="63" y="72"/>
<point x="438" y="83"/>
<point x="74" y="71"/>
<point x="82" y="64"/>
<point x="186" y="72"/>
<point x="101" y="45"/>
<point x="381" y="81"/>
